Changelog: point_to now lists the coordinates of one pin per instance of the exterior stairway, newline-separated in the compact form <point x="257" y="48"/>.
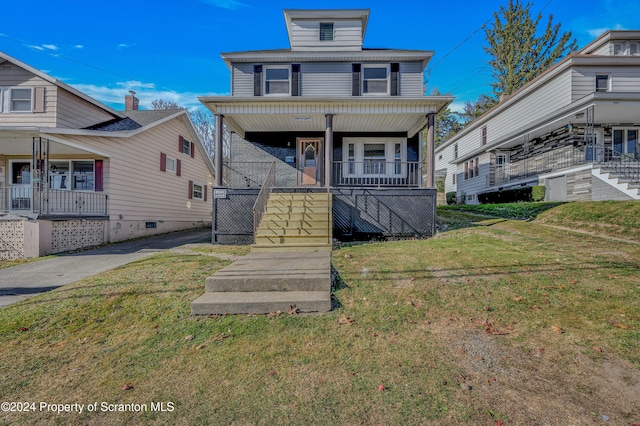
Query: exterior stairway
<point x="289" y="267"/>
<point x="622" y="183"/>
<point x="295" y="222"/>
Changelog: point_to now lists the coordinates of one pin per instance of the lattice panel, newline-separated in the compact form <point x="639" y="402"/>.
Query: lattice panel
<point x="11" y="239"/>
<point x="74" y="234"/>
<point x="233" y="217"/>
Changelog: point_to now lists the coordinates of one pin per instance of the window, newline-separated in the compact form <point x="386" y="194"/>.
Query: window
<point x="186" y="147"/>
<point x="472" y="168"/>
<point x="198" y="191"/>
<point x="276" y="81"/>
<point x="602" y="83"/>
<point x="453" y="179"/>
<point x="625" y="144"/>
<point x="618" y="49"/>
<point x="476" y="166"/>
<point x="634" y="49"/>
<point x="20" y="100"/>
<point x="72" y="175"/>
<point x="455" y="151"/>
<point x="171" y="165"/>
<point x="326" y="31"/>
<point x="484" y="135"/>
<point x="375" y="79"/>
<point x="151" y="225"/>
<point x="374" y="157"/>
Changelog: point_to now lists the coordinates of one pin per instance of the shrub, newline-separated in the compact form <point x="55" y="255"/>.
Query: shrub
<point x="451" y="197"/>
<point x="538" y="193"/>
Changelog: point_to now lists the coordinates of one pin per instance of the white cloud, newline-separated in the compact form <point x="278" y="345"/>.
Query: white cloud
<point x="124" y="46"/>
<point x="50" y="46"/>
<point x="597" y="32"/>
<point x="225" y="4"/>
<point x="146" y="92"/>
<point x="457" y="106"/>
<point x="78" y="46"/>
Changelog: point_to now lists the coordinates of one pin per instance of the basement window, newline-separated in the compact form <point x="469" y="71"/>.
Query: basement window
<point x="151" y="225"/>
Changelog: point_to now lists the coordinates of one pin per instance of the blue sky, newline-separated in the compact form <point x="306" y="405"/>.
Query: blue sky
<point x="171" y="50"/>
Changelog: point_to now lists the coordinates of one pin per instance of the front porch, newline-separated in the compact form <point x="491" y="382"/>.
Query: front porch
<point x="38" y="200"/>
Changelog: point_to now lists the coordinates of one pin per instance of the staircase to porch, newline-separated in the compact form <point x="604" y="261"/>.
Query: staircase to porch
<point x="295" y="222"/>
<point x="622" y="180"/>
<point x="289" y="267"/>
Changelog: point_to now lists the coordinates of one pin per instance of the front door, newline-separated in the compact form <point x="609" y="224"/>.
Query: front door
<point x="20" y="185"/>
<point x="310" y="163"/>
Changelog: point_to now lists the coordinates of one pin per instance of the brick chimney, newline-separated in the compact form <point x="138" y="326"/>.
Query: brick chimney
<point x="130" y="101"/>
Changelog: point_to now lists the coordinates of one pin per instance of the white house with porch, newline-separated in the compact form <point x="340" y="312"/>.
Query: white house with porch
<point x="76" y="173"/>
<point x="574" y="129"/>
<point x="331" y="116"/>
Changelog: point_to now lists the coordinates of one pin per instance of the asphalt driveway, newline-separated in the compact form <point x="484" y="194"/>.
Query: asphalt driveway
<point x="22" y="281"/>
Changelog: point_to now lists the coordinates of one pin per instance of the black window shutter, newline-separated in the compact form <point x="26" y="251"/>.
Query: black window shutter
<point x="295" y="80"/>
<point x="257" y="80"/>
<point x="355" y="75"/>
<point x="395" y="72"/>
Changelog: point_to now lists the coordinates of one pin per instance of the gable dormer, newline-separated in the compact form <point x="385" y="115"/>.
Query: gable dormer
<point x="326" y="30"/>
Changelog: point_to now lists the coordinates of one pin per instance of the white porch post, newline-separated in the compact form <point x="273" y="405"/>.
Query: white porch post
<point x="431" y="176"/>
<point x="328" y="150"/>
<point x="218" y="149"/>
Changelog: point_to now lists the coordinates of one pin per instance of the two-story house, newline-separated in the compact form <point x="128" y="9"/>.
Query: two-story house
<point x="332" y="116"/>
<point x="76" y="173"/>
<point x="573" y="129"/>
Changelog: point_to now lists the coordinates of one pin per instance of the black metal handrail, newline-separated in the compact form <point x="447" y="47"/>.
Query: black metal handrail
<point x="260" y="205"/>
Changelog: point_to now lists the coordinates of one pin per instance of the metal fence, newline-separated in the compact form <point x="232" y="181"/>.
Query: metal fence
<point x="30" y="199"/>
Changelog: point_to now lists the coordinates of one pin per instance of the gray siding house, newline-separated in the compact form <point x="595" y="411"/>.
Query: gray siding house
<point x="332" y="116"/>
<point x="76" y="173"/>
<point x="574" y="129"/>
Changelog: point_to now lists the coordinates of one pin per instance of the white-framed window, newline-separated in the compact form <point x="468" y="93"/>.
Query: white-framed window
<point x="197" y="191"/>
<point x="602" y="83"/>
<point x="171" y="165"/>
<point x="277" y="80"/>
<point x="75" y="175"/>
<point x="326" y="31"/>
<point x="374" y="157"/>
<point x="375" y="79"/>
<point x="20" y="99"/>
<point x="455" y="151"/>
<point x="484" y="135"/>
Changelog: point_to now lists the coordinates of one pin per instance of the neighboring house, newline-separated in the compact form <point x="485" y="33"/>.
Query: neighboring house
<point x="573" y="129"/>
<point x="75" y="173"/>
<point x="331" y="114"/>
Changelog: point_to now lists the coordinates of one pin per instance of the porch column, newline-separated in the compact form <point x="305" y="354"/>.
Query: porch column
<point x="431" y="176"/>
<point x="328" y="150"/>
<point x="218" y="149"/>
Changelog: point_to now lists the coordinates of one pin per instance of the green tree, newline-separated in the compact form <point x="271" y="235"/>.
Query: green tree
<point x="519" y="51"/>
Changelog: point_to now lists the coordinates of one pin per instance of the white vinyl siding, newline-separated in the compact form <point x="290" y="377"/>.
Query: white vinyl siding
<point x="242" y="80"/>
<point x="305" y="35"/>
<point x="74" y="112"/>
<point x="328" y="79"/>
<point x="12" y="76"/>
<point x="276" y="80"/>
<point x="622" y="79"/>
<point x="476" y="184"/>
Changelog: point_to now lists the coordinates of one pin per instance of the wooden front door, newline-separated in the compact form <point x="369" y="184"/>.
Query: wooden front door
<point x="310" y="162"/>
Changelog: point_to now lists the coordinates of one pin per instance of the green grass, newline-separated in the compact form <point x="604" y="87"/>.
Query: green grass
<point x="520" y="211"/>
<point x="536" y="321"/>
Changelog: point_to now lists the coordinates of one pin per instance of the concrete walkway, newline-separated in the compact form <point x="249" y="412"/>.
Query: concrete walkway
<point x="23" y="281"/>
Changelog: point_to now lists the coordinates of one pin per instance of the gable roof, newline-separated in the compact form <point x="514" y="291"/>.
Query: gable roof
<point x="46" y="77"/>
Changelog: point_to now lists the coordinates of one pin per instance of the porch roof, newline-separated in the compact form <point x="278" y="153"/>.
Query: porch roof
<point x="19" y="141"/>
<point x="304" y="114"/>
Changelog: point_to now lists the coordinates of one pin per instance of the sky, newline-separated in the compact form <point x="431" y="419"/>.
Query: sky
<point x="170" y="50"/>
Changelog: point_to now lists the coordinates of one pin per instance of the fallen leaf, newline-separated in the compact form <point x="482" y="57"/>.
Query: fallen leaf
<point x="622" y="326"/>
<point x="23" y="329"/>
<point x="272" y="373"/>
<point x="189" y="337"/>
<point x="557" y="329"/>
<point x="518" y="299"/>
<point x="597" y="349"/>
<point x="128" y="386"/>
<point x="293" y="310"/>
<point x="345" y="320"/>
<point x="381" y="387"/>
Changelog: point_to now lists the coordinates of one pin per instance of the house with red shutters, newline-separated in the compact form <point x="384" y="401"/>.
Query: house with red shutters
<point x="76" y="173"/>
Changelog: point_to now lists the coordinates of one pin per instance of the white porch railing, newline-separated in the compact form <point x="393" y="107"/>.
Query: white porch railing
<point x="28" y="199"/>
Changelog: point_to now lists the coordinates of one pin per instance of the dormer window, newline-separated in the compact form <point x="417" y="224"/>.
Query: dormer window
<point x="276" y="81"/>
<point x="602" y="83"/>
<point x="326" y="31"/>
<point x="375" y="79"/>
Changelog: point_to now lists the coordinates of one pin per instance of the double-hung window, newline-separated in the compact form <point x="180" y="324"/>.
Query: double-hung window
<point x="277" y="80"/>
<point x="72" y="175"/>
<point x="626" y="144"/>
<point x="375" y="79"/>
<point x="198" y="191"/>
<point x="20" y="99"/>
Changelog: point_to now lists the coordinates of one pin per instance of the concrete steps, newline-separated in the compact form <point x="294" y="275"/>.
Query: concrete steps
<point x="623" y="184"/>
<point x="267" y="282"/>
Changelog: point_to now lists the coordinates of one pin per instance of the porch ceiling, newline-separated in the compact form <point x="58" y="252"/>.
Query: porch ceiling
<point x="304" y="115"/>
